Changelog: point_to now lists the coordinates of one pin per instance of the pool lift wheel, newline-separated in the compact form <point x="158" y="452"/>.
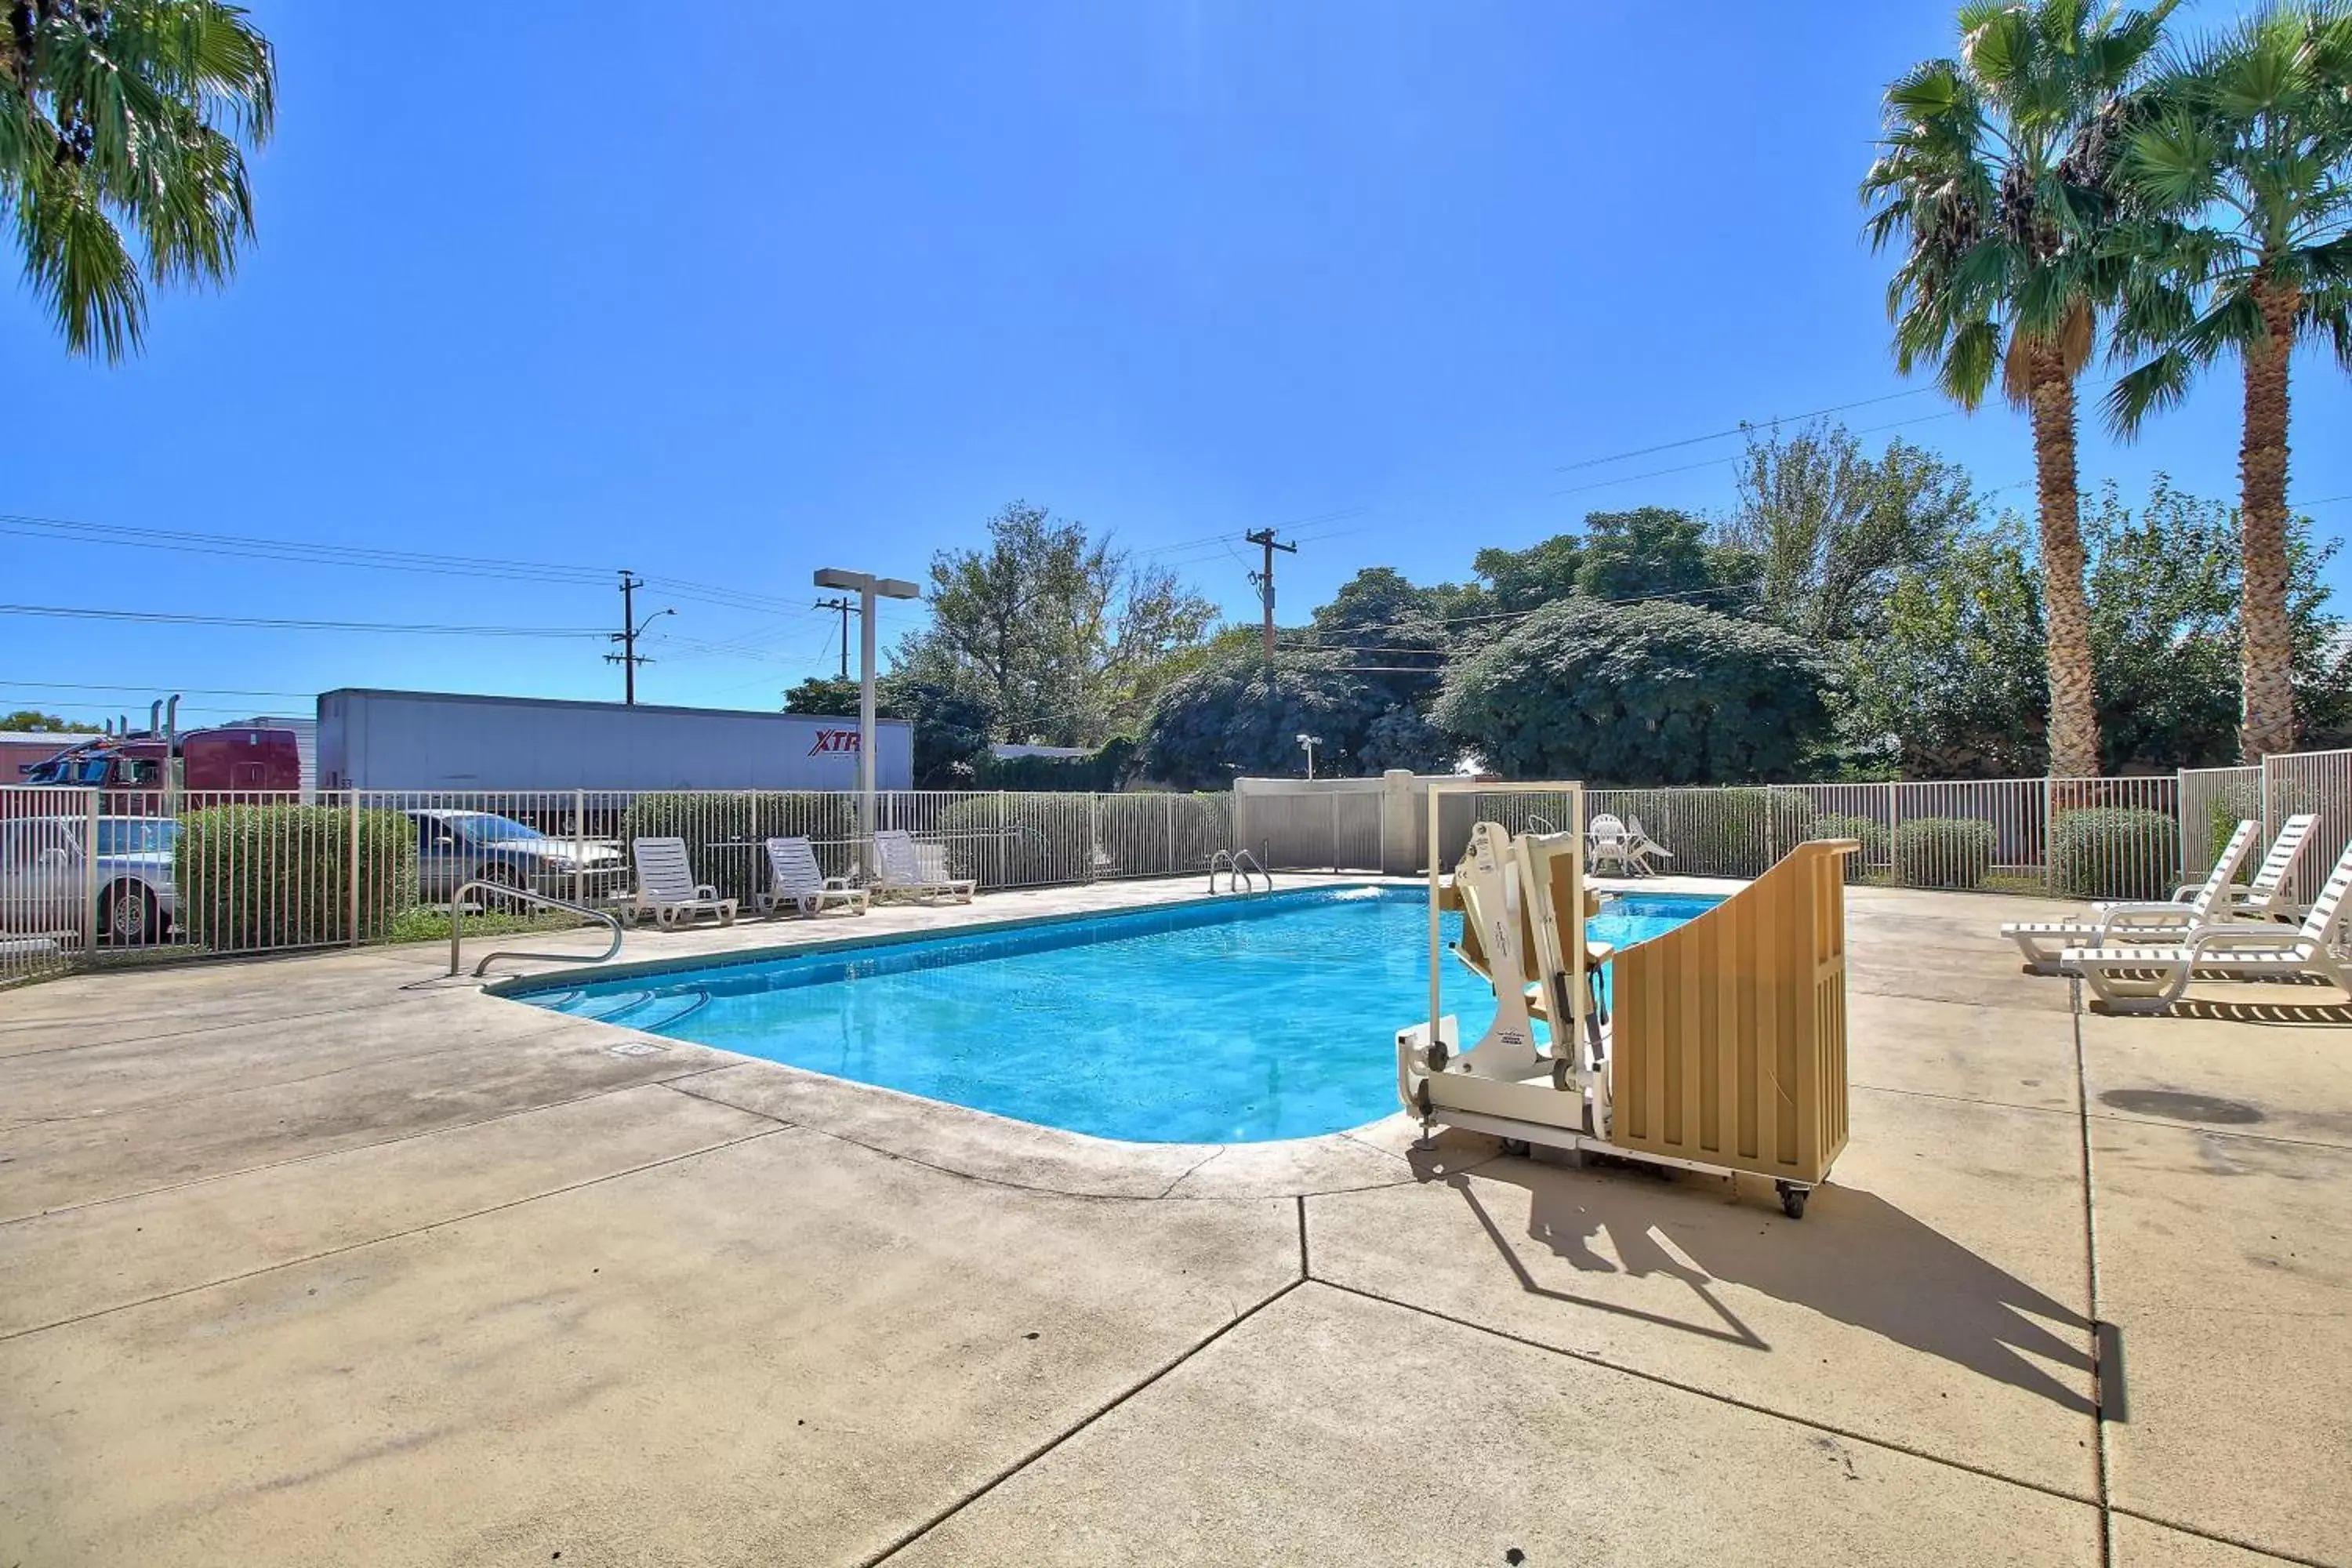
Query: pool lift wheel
<point x="1516" y="896"/>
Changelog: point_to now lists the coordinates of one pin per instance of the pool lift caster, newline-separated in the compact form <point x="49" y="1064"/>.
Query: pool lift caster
<point x="1792" y="1198"/>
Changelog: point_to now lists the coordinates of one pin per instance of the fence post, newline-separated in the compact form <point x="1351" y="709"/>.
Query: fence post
<point x="353" y="848"/>
<point x="2049" y="873"/>
<point x="1171" y="834"/>
<point x="1893" y="820"/>
<point x="90" y="878"/>
<point x="579" y="845"/>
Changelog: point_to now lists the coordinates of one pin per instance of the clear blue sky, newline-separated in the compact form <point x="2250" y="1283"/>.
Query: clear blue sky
<point x="728" y="292"/>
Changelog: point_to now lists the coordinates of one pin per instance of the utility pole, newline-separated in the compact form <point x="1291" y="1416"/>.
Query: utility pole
<point x="845" y="606"/>
<point x="1263" y="540"/>
<point x="628" y="658"/>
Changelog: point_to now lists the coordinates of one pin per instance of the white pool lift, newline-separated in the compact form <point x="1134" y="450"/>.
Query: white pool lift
<point x="1726" y="1049"/>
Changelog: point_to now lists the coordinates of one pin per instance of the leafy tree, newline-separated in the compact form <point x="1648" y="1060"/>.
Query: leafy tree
<point x="2245" y="163"/>
<point x="1995" y="173"/>
<point x="1243" y="716"/>
<point x="32" y="722"/>
<point x="1955" y="685"/>
<point x="828" y="694"/>
<point x="1656" y="693"/>
<point x="1530" y="578"/>
<point x="127" y="117"/>
<point x="1824" y="527"/>
<point x="1389" y="631"/>
<point x="953" y="727"/>
<point x="1948" y="688"/>
<point x="1058" y="632"/>
<point x="1649" y="552"/>
<point x="1401" y="737"/>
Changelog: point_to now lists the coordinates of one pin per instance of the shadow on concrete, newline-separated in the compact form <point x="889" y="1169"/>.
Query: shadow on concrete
<point x="1854" y="1258"/>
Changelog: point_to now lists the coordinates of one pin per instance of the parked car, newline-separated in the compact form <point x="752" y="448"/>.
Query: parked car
<point x="45" y="876"/>
<point x="454" y="847"/>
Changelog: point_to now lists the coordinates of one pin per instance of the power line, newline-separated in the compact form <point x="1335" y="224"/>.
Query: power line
<point x="301" y="552"/>
<point x="54" y="612"/>
<point x="1739" y="428"/>
<point x="199" y="690"/>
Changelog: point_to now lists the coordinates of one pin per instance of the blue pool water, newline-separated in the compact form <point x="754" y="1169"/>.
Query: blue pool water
<point x="1228" y="1021"/>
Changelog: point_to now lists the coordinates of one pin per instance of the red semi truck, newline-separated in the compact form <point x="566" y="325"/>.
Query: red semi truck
<point x="248" y="758"/>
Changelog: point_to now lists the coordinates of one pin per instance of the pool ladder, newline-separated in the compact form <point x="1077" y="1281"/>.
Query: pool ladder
<point x="1240" y="867"/>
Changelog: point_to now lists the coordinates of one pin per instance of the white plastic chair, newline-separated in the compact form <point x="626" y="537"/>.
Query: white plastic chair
<point x="667" y="889"/>
<point x="795" y="881"/>
<point x="919" y="869"/>
<point x="2127" y="925"/>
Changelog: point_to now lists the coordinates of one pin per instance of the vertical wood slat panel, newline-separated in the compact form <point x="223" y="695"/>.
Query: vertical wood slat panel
<point x="1729" y="1042"/>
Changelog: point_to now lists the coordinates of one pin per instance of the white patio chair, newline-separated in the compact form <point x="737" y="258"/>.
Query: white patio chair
<point x="1608" y="847"/>
<point x="1645" y="848"/>
<point x="667" y="889"/>
<point x="2132" y="925"/>
<point x="796" y="881"/>
<point x="918" y="870"/>
<point x="2151" y="979"/>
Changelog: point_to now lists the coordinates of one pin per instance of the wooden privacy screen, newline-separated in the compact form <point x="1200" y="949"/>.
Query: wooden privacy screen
<point x="1728" y="1039"/>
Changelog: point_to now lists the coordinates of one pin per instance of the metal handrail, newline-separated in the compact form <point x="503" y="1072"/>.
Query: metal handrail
<point x="457" y="923"/>
<point x="1240" y="866"/>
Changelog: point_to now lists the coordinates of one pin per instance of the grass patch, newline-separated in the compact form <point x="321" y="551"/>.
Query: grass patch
<point x="424" y="923"/>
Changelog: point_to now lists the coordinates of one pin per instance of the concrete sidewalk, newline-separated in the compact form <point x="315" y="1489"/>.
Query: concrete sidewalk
<point x="330" y="1259"/>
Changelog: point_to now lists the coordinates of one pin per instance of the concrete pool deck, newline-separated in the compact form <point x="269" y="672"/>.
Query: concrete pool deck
<point x="333" y="1259"/>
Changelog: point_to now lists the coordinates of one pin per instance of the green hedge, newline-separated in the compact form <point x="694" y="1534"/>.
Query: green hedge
<point x="2116" y="852"/>
<point x="1943" y="851"/>
<point x="1717" y="832"/>
<point x="1018" y="840"/>
<point x="253" y="876"/>
<point x="1868" y="830"/>
<point x="724" y="834"/>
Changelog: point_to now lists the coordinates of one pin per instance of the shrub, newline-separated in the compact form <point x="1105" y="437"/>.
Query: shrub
<point x="1018" y="840"/>
<point x="1943" y="851"/>
<point x="2229" y="807"/>
<point x="724" y="833"/>
<point x="2116" y="852"/>
<point x="1868" y="830"/>
<point x="251" y="877"/>
<point x="1715" y="832"/>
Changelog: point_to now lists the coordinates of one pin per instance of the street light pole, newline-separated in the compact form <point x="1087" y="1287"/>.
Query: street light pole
<point x="1310" y="743"/>
<point x="867" y="587"/>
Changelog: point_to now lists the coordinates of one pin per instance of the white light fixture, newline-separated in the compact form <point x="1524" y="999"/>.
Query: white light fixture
<point x="1310" y="743"/>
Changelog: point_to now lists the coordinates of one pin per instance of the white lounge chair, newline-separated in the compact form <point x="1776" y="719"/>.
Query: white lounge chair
<point x="2130" y="925"/>
<point x="2269" y="897"/>
<point x="921" y="869"/>
<point x="667" y="889"/>
<point x="795" y="881"/>
<point x="2151" y="979"/>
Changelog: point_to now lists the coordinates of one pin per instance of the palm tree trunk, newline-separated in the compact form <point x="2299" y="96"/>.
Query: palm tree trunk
<point x="2066" y="615"/>
<point x="2267" y="719"/>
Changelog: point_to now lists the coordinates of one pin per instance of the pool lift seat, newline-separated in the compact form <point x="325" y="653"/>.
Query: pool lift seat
<point x="1719" y="1083"/>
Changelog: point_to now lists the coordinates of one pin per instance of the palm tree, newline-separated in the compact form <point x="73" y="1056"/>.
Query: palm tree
<point x="111" y="120"/>
<point x="2243" y="164"/>
<point x="1993" y="173"/>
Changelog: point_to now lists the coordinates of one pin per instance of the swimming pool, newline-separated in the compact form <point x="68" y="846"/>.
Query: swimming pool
<point x="1219" y="1021"/>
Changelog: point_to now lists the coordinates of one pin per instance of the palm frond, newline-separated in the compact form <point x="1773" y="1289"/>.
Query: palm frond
<point x="2162" y="382"/>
